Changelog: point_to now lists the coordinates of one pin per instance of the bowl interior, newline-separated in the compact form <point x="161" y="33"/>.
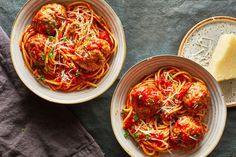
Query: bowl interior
<point x="217" y="112"/>
<point x="24" y="19"/>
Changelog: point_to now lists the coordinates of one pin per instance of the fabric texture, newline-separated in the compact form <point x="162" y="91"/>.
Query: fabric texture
<point x="33" y="127"/>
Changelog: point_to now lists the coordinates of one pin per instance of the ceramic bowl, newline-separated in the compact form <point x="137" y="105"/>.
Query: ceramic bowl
<point x="217" y="111"/>
<point x="24" y="18"/>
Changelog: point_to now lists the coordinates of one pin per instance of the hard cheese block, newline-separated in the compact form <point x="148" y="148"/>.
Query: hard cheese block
<point x="223" y="62"/>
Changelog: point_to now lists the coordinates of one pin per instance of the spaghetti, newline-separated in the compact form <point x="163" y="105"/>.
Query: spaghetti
<point x="68" y="48"/>
<point x="166" y="110"/>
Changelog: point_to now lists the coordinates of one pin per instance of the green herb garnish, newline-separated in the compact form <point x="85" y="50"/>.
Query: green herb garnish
<point x="50" y="54"/>
<point x="137" y="140"/>
<point x="51" y="38"/>
<point x="137" y="134"/>
<point x="150" y="100"/>
<point x="122" y="112"/>
<point x="148" y="137"/>
<point x="43" y="56"/>
<point x="71" y="65"/>
<point x="135" y="117"/>
<point x="126" y="134"/>
<point x="64" y="39"/>
<point x="145" y="111"/>
<point x="77" y="73"/>
<point x="41" y="77"/>
<point x="55" y="24"/>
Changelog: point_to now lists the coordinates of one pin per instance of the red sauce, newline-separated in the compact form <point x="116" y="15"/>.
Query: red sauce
<point x="129" y="122"/>
<point x="146" y="102"/>
<point x="184" y="90"/>
<point x="105" y="36"/>
<point x="94" y="45"/>
<point x="164" y="82"/>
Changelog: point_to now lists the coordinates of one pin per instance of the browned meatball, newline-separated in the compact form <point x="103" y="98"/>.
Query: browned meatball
<point x="105" y="48"/>
<point x="35" y="48"/>
<point x="187" y="132"/>
<point x="197" y="98"/>
<point x="49" y="18"/>
<point x="90" y="60"/>
<point x="145" y="101"/>
<point x="99" y="44"/>
<point x="106" y="42"/>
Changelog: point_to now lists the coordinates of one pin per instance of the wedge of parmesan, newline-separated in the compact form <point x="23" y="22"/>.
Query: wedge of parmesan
<point x="223" y="62"/>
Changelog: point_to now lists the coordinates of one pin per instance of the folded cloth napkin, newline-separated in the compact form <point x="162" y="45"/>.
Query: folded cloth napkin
<point x="33" y="127"/>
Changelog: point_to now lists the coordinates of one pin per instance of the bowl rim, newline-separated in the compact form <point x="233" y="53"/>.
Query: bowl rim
<point x="55" y="100"/>
<point x="211" y="147"/>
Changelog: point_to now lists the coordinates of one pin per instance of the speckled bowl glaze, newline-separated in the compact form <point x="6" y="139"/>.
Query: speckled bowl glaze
<point x="217" y="111"/>
<point x="24" y="18"/>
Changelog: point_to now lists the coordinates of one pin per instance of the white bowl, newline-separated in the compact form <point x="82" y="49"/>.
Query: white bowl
<point x="217" y="111"/>
<point x="24" y="18"/>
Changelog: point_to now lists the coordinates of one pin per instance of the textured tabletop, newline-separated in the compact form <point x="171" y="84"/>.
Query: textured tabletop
<point x="152" y="27"/>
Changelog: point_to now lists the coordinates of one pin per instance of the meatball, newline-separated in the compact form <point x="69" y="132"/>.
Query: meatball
<point x="105" y="48"/>
<point x="145" y="101"/>
<point x="99" y="44"/>
<point x="90" y="60"/>
<point x="197" y="98"/>
<point x="49" y="18"/>
<point x="35" y="48"/>
<point x="187" y="132"/>
<point x="106" y="43"/>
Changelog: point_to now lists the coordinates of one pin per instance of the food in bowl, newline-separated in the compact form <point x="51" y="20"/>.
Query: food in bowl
<point x="68" y="48"/>
<point x="214" y="119"/>
<point x="166" y="111"/>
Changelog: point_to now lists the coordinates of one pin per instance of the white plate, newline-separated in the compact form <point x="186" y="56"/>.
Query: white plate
<point x="199" y="43"/>
<point x="24" y="18"/>
<point x="217" y="111"/>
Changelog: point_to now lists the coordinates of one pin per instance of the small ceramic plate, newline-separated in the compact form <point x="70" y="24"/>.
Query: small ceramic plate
<point x="199" y="44"/>
<point x="217" y="110"/>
